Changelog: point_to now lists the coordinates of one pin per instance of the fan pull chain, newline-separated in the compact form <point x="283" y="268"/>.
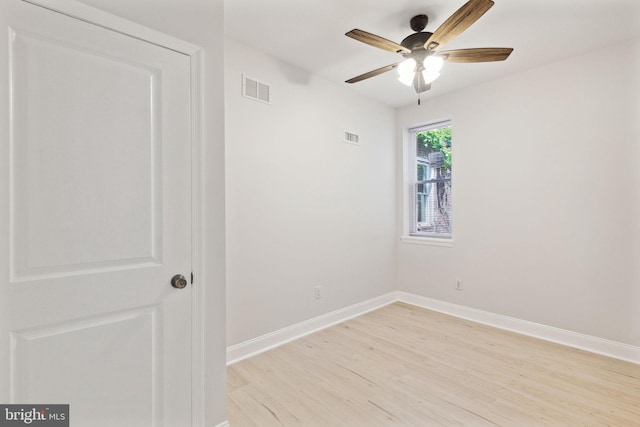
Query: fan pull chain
<point x="418" y="99"/>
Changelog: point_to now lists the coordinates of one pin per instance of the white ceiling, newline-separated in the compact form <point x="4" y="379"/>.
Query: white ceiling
<point x="310" y="35"/>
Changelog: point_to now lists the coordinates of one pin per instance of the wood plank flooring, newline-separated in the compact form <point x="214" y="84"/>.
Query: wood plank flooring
<point x="406" y="366"/>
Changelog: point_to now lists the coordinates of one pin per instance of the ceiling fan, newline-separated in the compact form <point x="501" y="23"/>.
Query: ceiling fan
<point x="423" y="59"/>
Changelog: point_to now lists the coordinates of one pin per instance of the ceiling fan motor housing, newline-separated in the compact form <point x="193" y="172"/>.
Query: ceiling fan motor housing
<point x="415" y="43"/>
<point x="416" y="40"/>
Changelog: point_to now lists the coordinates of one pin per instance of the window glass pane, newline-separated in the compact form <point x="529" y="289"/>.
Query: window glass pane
<point x="434" y="147"/>
<point x="433" y="209"/>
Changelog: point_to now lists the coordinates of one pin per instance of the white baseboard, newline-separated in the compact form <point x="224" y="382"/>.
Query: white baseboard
<point x="238" y="352"/>
<point x="224" y="424"/>
<point x="589" y="343"/>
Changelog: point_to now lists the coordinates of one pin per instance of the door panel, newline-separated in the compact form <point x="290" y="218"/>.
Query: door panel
<point x="89" y="179"/>
<point x="42" y="363"/>
<point x="95" y="219"/>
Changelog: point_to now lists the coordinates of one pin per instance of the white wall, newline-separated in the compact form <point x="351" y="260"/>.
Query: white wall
<point x="546" y="196"/>
<point x="200" y="22"/>
<point x="303" y="207"/>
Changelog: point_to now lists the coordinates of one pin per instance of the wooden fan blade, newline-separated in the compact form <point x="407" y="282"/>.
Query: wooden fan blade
<point x="462" y="19"/>
<point x="484" y="54"/>
<point x="376" y="41"/>
<point x="373" y="73"/>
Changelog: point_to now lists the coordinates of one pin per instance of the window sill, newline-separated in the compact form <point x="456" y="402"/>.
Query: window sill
<point x="428" y="241"/>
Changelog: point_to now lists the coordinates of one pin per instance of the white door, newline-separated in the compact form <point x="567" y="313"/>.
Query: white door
<point x="95" y="208"/>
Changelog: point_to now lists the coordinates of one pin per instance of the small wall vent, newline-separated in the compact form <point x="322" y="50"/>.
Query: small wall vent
<point x="351" y="138"/>
<point x="256" y="90"/>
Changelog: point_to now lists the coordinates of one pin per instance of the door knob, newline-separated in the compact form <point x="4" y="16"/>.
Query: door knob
<point x="179" y="281"/>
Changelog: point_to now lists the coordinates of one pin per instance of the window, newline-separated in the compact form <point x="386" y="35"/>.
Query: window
<point x="430" y="169"/>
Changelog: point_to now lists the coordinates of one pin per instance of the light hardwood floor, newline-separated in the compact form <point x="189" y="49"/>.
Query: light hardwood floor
<point x="406" y="366"/>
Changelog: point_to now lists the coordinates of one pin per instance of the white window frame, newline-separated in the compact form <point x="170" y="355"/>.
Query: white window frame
<point x="410" y="235"/>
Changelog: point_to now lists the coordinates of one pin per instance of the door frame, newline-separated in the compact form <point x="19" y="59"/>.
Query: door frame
<point x="91" y="15"/>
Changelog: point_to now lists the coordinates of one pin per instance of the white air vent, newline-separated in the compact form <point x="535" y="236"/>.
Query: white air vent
<point x="254" y="89"/>
<point x="351" y="138"/>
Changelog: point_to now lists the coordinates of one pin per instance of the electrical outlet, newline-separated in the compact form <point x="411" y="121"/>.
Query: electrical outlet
<point x="458" y="284"/>
<point x="318" y="292"/>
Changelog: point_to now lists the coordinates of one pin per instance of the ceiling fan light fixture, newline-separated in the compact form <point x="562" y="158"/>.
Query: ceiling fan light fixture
<point x="406" y="70"/>
<point x="433" y="63"/>
<point x="407" y="79"/>
<point x="429" y="76"/>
